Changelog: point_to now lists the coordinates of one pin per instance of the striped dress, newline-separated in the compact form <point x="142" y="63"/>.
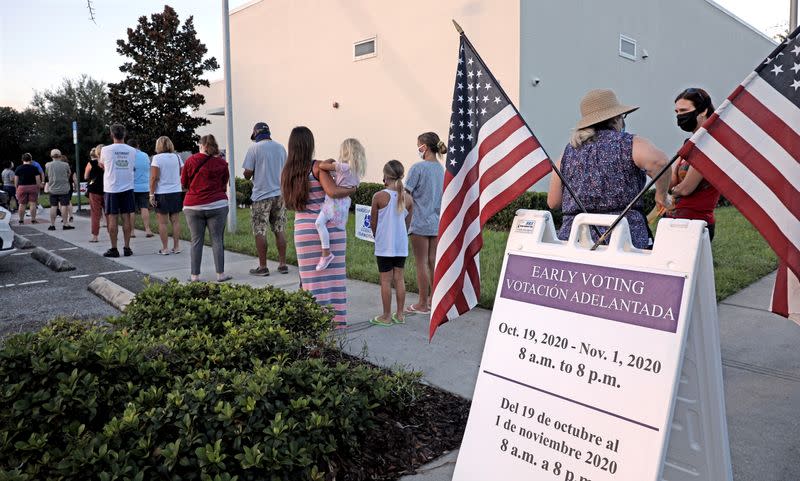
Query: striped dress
<point x="327" y="286"/>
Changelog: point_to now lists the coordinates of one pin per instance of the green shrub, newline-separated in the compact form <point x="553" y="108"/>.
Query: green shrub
<point x="197" y="382"/>
<point x="244" y="190"/>
<point x="276" y="422"/>
<point x="62" y="383"/>
<point x="538" y="201"/>
<point x="364" y="192"/>
<point x="529" y="200"/>
<point x="213" y="307"/>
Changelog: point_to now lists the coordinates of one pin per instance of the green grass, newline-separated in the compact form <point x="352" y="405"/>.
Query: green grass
<point x="741" y="256"/>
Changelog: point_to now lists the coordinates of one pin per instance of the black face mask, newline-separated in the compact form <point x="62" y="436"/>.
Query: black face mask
<point x="687" y="121"/>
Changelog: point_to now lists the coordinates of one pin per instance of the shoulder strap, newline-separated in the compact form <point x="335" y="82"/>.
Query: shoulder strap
<point x="196" y="171"/>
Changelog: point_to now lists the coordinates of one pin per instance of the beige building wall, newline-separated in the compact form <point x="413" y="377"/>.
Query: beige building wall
<point x="292" y="59"/>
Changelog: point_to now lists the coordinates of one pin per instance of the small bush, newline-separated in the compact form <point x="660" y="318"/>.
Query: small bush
<point x="244" y="190"/>
<point x="364" y="192"/>
<point x="199" y="382"/>
<point x="538" y="201"/>
<point x="214" y="307"/>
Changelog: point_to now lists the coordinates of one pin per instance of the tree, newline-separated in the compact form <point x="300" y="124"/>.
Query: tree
<point x="165" y="68"/>
<point x="16" y="130"/>
<point x="85" y="100"/>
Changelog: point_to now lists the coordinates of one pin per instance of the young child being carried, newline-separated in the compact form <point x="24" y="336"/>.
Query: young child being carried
<point x="347" y="172"/>
<point x="390" y="218"/>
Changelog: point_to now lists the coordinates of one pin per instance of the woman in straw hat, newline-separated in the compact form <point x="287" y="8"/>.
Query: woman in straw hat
<point x="607" y="167"/>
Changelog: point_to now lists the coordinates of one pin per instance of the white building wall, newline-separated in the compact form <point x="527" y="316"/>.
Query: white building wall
<point x="291" y="59"/>
<point x="572" y="46"/>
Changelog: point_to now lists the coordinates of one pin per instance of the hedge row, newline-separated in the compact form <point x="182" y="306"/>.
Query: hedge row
<point x="194" y="382"/>
<point x="500" y="221"/>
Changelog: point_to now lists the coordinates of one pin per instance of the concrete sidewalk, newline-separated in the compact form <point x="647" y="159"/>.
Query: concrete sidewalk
<point x="761" y="366"/>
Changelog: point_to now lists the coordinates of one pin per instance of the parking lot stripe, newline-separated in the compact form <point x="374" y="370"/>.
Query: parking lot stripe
<point x="114" y="272"/>
<point x="67" y="249"/>
<point x="81" y="276"/>
<point x="10" y="285"/>
<point x="31" y="282"/>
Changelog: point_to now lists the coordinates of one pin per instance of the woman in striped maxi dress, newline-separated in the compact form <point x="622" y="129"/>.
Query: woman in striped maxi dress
<point x="303" y="186"/>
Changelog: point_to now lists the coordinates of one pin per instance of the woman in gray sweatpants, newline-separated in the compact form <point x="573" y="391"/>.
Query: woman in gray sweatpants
<point x="205" y="176"/>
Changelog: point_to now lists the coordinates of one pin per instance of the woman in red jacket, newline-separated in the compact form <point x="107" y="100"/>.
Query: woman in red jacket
<point x="205" y="178"/>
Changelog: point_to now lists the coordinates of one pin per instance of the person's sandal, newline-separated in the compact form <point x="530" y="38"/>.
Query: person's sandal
<point x="113" y="252"/>
<point x="260" y="271"/>
<point x="376" y="321"/>
<point x="398" y="320"/>
<point x="414" y="310"/>
<point x="127" y="252"/>
<point x="283" y="269"/>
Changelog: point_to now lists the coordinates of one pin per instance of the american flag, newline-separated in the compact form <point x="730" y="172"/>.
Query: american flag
<point x="492" y="158"/>
<point x="750" y="150"/>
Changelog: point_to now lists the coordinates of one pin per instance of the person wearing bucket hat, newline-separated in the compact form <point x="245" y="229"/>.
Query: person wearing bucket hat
<point x="607" y="167"/>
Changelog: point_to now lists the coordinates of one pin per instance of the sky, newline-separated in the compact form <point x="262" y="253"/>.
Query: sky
<point x="44" y="41"/>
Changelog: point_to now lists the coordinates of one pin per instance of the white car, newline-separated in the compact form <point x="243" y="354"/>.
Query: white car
<point x="6" y="234"/>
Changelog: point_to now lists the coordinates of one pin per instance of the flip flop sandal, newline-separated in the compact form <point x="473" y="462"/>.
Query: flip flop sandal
<point x="376" y="321"/>
<point x="412" y="310"/>
<point x="398" y="320"/>
<point x="224" y="279"/>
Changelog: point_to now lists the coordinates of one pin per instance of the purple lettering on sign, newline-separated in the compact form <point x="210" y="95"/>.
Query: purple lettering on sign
<point x="641" y="298"/>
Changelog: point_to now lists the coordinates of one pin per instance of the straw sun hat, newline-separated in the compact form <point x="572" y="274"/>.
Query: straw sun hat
<point x="599" y="105"/>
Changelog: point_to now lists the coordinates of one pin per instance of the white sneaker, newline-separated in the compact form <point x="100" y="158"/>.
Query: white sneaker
<point x="324" y="262"/>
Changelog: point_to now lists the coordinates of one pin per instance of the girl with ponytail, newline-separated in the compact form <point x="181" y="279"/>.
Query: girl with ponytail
<point x="425" y="183"/>
<point x="390" y="218"/>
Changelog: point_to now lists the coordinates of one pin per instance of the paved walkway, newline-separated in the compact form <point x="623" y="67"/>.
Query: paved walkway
<point x="761" y="366"/>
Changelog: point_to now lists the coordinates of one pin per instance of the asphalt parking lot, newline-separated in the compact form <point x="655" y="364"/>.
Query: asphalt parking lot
<point x="31" y="294"/>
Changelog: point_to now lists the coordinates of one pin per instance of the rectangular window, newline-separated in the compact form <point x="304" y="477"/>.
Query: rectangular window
<point x="627" y="47"/>
<point x="365" y="49"/>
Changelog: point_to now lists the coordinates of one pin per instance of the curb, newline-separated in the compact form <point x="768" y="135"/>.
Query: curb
<point x="21" y="242"/>
<point x="112" y="293"/>
<point x="51" y="260"/>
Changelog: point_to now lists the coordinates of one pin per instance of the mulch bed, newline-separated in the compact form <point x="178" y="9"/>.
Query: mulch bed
<point x="401" y="442"/>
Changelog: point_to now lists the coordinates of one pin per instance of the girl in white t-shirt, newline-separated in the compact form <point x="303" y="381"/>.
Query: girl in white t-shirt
<point x="389" y="219"/>
<point x="347" y="172"/>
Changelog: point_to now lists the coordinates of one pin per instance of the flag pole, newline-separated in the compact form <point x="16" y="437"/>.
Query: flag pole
<point x="549" y="159"/>
<point x="635" y="200"/>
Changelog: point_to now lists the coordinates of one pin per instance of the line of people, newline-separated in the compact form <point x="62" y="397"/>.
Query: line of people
<point x="319" y="192"/>
<point x="605" y="166"/>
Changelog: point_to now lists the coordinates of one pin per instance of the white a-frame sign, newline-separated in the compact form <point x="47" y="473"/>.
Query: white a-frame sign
<point x="600" y="365"/>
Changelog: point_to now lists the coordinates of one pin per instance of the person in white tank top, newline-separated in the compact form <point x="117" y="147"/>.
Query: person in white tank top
<point x="390" y="218"/>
